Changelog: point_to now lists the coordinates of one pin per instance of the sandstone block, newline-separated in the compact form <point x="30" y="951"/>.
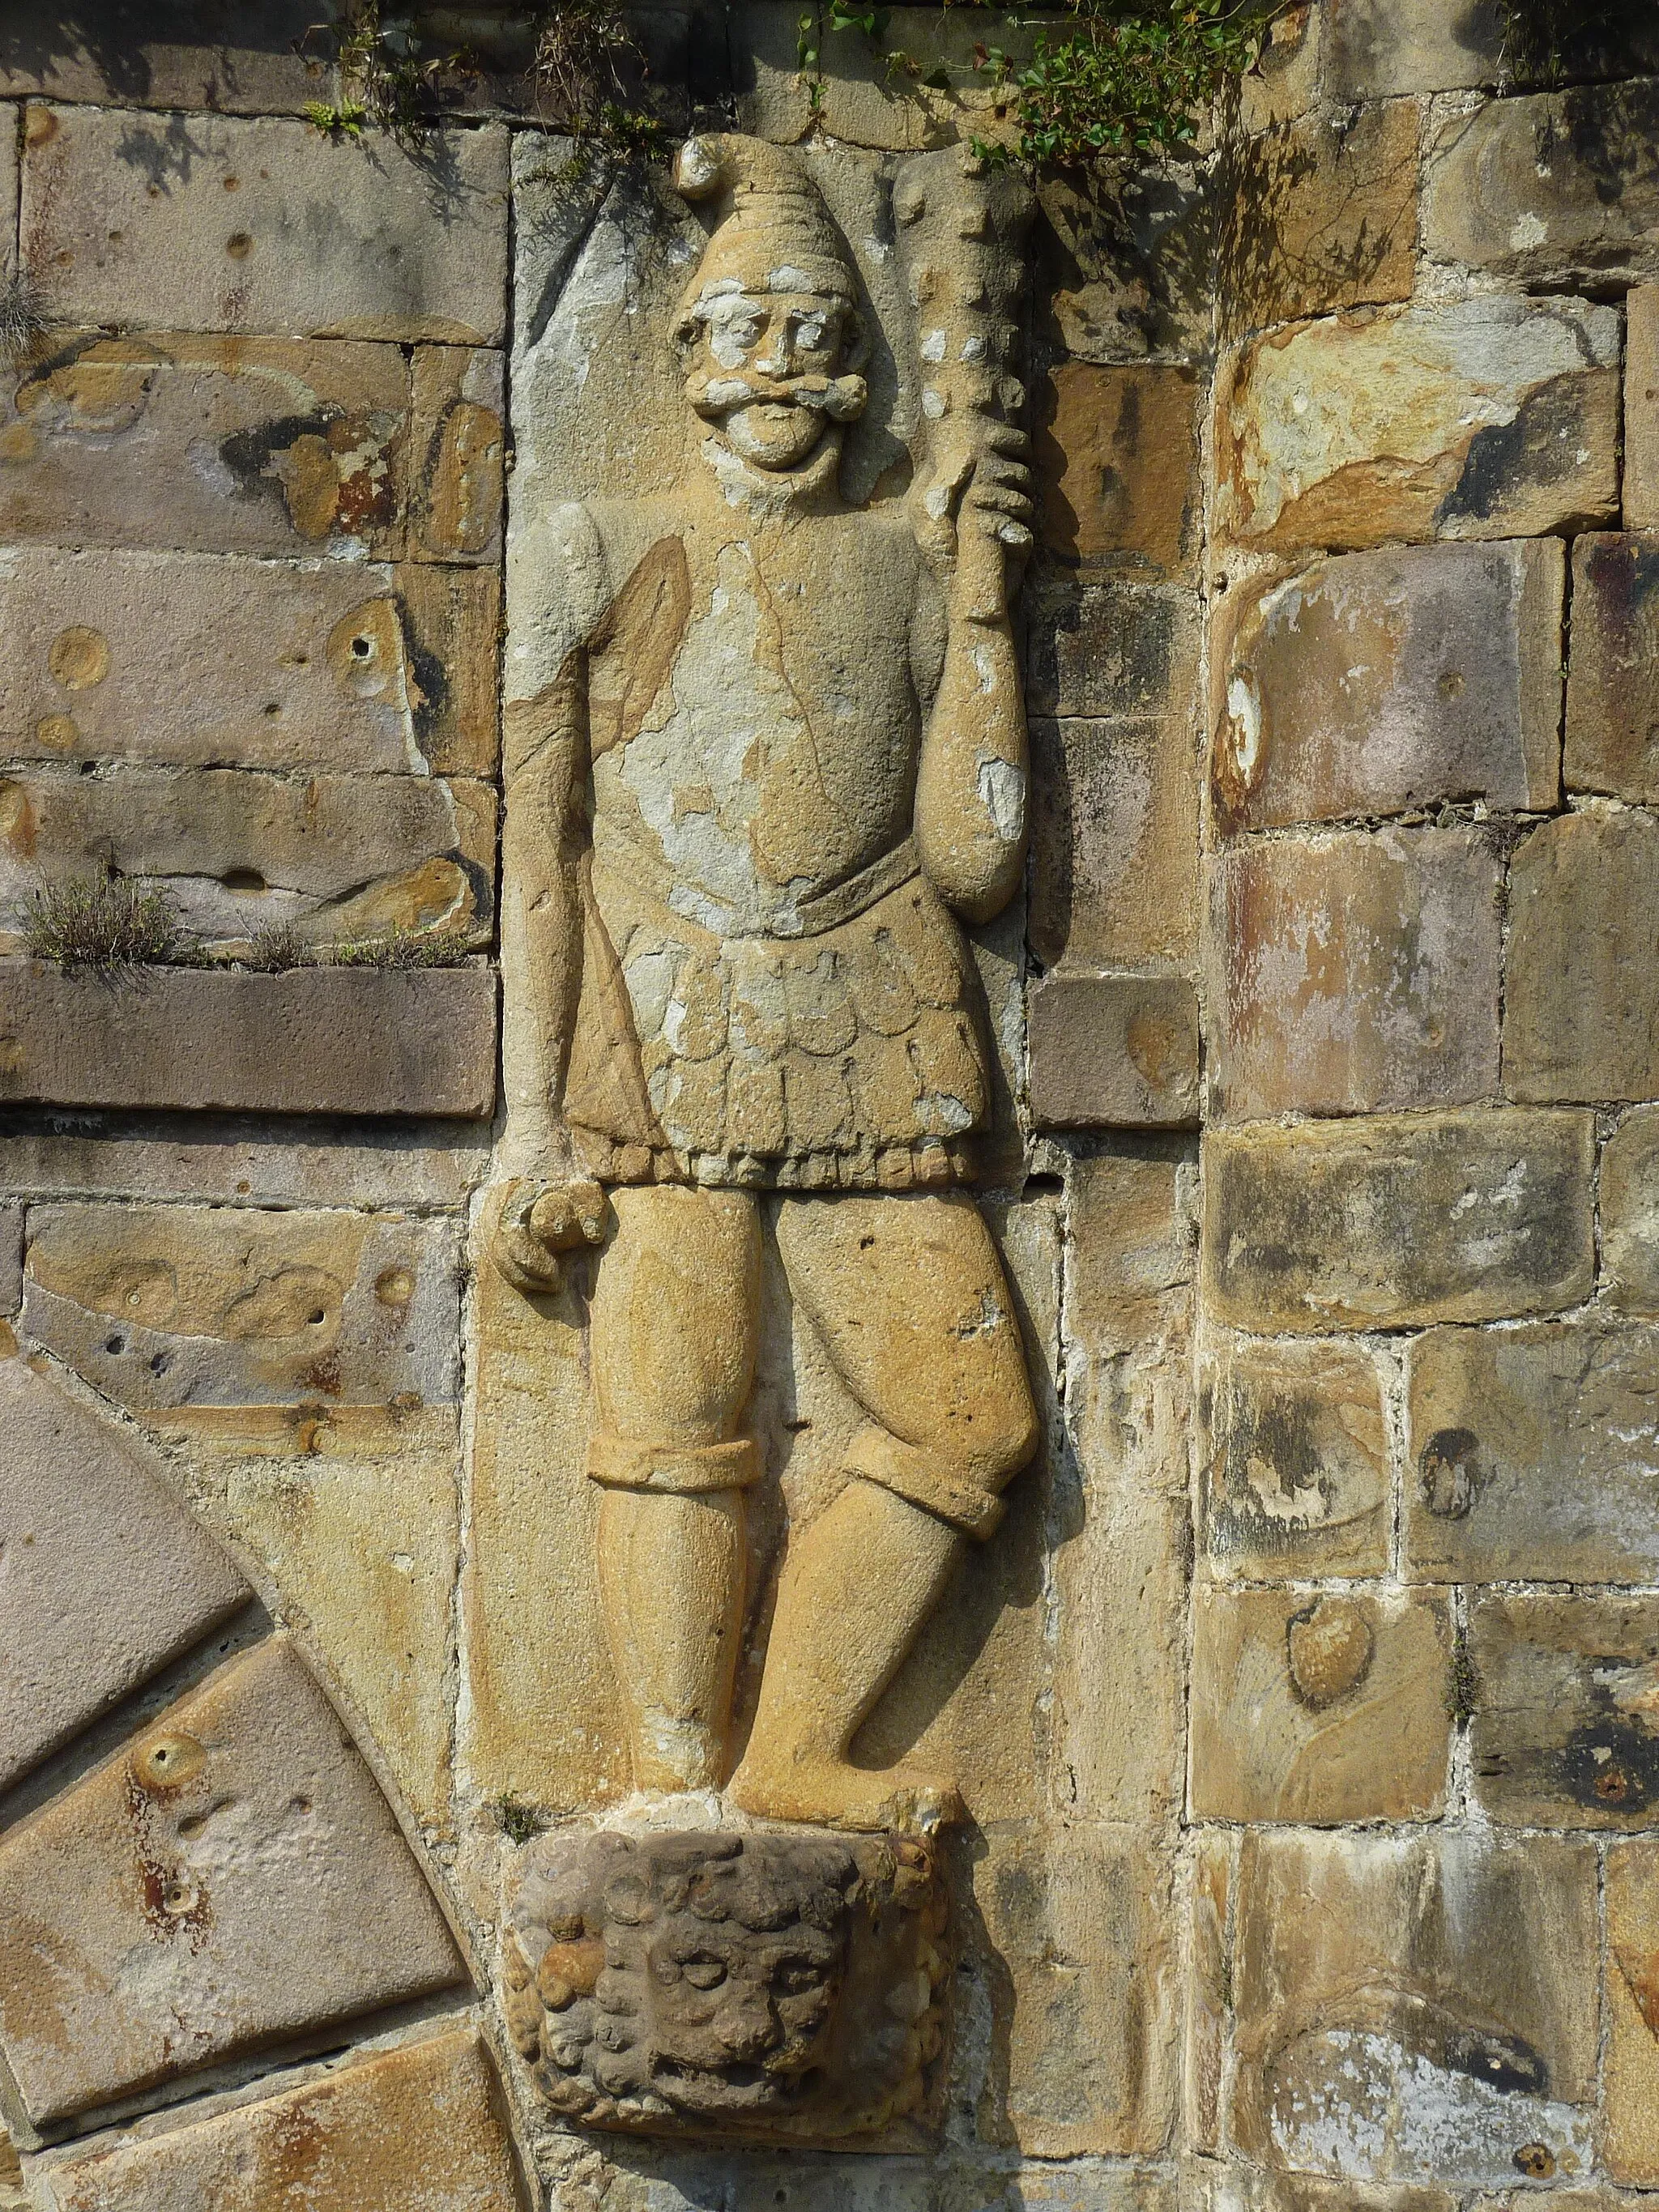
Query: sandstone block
<point x="339" y="857"/>
<point x="174" y="1881"/>
<point x="1284" y="80"/>
<point x="107" y="1579"/>
<point x="1583" y="911"/>
<point x="362" y="1550"/>
<point x="1532" y="1455"/>
<point x="10" y="185"/>
<point x="1359" y="972"/>
<point x="1612" y="683"/>
<point x="265" y="226"/>
<point x="1083" y="1919"/>
<point x="1484" y="417"/>
<point x="857" y="97"/>
<point x="1415" y="2007"/>
<point x="1398" y="1221"/>
<point x="1238" y="2189"/>
<point x="1116" y="456"/>
<point x="1374" y="48"/>
<point x="192" y="660"/>
<point x="241" y="56"/>
<point x="1321" y="214"/>
<point x="451" y="620"/>
<point x="1558" y="189"/>
<point x="1114" y="1051"/>
<point x="1120" y="281"/>
<point x="126" y="1155"/>
<point x="1642" y="408"/>
<point x="1117" y="648"/>
<point x="1208" y="2003"/>
<point x="460" y="454"/>
<point x="170" y="1307"/>
<point x="1129" y="1258"/>
<point x="265" y="446"/>
<point x="1119" y="1583"/>
<point x="1380" y="682"/>
<point x="11" y="1258"/>
<point x="1319" y="1708"/>
<point x="1565" y="1732"/>
<point x="1296" y="1462"/>
<point x="423" y="2126"/>
<point x="1114" y="837"/>
<point x="1629" y="1196"/>
<point x="1633" y="2001"/>
<point x="311" y="1040"/>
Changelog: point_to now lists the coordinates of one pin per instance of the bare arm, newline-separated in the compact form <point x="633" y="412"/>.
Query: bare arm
<point x="974" y="771"/>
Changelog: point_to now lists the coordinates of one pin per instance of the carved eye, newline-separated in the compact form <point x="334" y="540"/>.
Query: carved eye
<point x="798" y="1978"/>
<point x="703" y="1973"/>
<point x="812" y="331"/>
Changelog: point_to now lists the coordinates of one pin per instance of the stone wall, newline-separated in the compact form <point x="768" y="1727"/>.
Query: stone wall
<point x="1305" y="1707"/>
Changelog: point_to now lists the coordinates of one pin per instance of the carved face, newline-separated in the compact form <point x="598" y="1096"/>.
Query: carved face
<point x="724" y="1996"/>
<point x="763" y="365"/>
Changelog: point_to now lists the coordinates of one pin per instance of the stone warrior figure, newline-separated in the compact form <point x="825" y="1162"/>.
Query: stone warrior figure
<point x="761" y="745"/>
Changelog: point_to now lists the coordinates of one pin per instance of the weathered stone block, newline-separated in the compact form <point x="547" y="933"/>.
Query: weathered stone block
<point x="106" y="1577"/>
<point x="170" y="1307"/>
<point x="131" y="1156"/>
<point x="242" y="56"/>
<point x="451" y="620"/>
<point x="313" y="1040"/>
<point x="1321" y="214"/>
<point x="1632" y="2002"/>
<point x="175" y="1879"/>
<point x="1415" y="2007"/>
<point x="1612" y="683"/>
<point x="265" y="224"/>
<point x="1117" y="648"/>
<point x="198" y="661"/>
<point x="1355" y="973"/>
<point x="1209" y="2001"/>
<point x="1484" y="417"/>
<point x="1296" y="1461"/>
<point x="1284" y="81"/>
<point x="1374" y="48"/>
<point x="460" y="454"/>
<point x="1558" y="189"/>
<point x="1114" y="1051"/>
<point x="263" y="445"/>
<point x="1533" y="1455"/>
<point x="11" y="1259"/>
<point x="1131" y="1248"/>
<point x="1642" y="408"/>
<point x="361" y="1547"/>
<point x="1120" y="279"/>
<point x="1566" y="1733"/>
<point x="339" y="859"/>
<point x="1114" y="838"/>
<point x="1396" y="1221"/>
<point x="1121" y="1580"/>
<point x="422" y="2126"/>
<point x="1629" y="1205"/>
<point x="1319" y="1708"/>
<point x="1083" y="1920"/>
<point x="787" y="1985"/>
<point x="1579" y="1021"/>
<point x="1116" y="456"/>
<point x="851" y="92"/>
<point x="1236" y="2189"/>
<point x="1380" y="682"/>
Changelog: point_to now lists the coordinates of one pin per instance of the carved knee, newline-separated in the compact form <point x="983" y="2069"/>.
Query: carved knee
<point x="959" y="1485"/>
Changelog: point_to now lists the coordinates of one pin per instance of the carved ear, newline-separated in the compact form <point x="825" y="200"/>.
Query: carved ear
<point x="684" y="335"/>
<point x="855" y="349"/>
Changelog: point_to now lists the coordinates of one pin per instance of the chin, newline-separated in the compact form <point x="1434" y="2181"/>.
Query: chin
<point x="774" y="438"/>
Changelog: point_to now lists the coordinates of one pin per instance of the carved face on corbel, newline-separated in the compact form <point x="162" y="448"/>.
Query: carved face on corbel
<point x="765" y="367"/>
<point x="778" y="1984"/>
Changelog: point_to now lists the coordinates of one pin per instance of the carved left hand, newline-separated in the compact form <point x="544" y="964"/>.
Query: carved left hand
<point x="974" y="501"/>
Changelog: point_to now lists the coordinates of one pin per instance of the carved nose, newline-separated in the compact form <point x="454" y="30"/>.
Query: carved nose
<point x="752" y="2032"/>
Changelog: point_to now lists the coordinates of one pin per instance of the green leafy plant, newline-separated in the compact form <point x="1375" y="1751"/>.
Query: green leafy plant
<point x="107" y="926"/>
<point x="1545" y="40"/>
<point x="519" y="1823"/>
<point x="585" y="63"/>
<point x="388" y="77"/>
<point x="403" y="948"/>
<point x="1127" y="81"/>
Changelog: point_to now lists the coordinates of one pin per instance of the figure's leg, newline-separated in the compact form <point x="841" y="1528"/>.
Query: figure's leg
<point x="909" y="1298"/>
<point x="674" y="1329"/>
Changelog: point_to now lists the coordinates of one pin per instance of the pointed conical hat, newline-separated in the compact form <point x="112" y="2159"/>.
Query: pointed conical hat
<point x="774" y="234"/>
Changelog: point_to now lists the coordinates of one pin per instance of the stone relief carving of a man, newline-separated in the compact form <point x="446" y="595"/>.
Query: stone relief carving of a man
<point x="766" y="744"/>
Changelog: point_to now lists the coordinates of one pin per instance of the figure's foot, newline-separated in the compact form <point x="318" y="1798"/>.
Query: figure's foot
<point x="829" y="1793"/>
